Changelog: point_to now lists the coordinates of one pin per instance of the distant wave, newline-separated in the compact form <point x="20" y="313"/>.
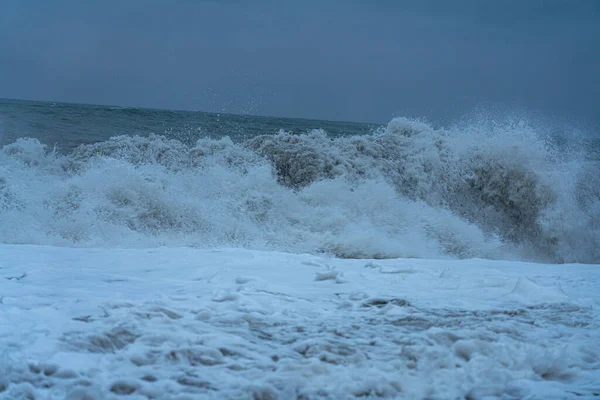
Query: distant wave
<point x="406" y="190"/>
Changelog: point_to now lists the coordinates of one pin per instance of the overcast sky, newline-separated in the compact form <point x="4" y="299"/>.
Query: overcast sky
<point x="349" y="60"/>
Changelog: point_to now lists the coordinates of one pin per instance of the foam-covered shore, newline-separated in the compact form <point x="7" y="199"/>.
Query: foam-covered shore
<point x="182" y="323"/>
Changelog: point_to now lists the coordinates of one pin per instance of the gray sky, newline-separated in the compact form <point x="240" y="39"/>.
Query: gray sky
<point x="349" y="60"/>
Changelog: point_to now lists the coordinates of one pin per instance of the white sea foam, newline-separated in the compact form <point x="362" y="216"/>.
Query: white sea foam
<point x="181" y="323"/>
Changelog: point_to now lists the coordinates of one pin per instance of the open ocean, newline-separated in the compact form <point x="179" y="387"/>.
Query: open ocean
<point x="70" y="125"/>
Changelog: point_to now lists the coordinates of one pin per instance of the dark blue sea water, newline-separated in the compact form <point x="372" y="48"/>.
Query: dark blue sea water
<point x="69" y="125"/>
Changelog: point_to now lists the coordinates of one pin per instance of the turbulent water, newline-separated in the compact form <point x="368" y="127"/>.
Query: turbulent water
<point x="75" y="175"/>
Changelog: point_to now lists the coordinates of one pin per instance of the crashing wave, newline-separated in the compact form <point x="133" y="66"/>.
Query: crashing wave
<point x="407" y="190"/>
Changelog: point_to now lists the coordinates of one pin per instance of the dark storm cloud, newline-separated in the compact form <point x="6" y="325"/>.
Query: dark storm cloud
<point x="350" y="60"/>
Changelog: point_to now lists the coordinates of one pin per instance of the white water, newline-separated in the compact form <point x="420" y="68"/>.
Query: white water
<point x="186" y="323"/>
<point x="104" y="321"/>
<point x="484" y="190"/>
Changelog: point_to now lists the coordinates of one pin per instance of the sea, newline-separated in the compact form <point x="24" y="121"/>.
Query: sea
<point x="155" y="254"/>
<point x="78" y="175"/>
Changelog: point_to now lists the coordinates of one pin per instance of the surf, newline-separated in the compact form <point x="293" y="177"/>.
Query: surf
<point x="408" y="189"/>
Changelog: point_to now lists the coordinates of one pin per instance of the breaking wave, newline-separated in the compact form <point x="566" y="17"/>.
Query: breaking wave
<point x="406" y="190"/>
